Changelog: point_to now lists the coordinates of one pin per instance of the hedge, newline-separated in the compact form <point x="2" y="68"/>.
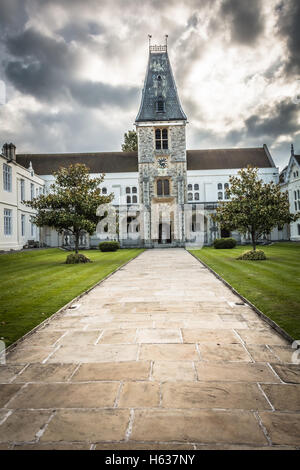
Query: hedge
<point x="109" y="246"/>
<point x="224" y="243"/>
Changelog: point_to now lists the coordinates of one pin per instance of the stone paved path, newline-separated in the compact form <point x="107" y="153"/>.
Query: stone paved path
<point x="159" y="356"/>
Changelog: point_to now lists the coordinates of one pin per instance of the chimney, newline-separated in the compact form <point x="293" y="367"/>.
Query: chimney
<point x="12" y="152"/>
<point x="9" y="151"/>
<point x="5" y="150"/>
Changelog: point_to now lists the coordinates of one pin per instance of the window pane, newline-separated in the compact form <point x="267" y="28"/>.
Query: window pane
<point x="196" y="187"/>
<point x="159" y="187"/>
<point x="7" y="222"/>
<point x="226" y="185"/>
<point x="134" y="199"/>
<point x="157" y="134"/>
<point x="220" y="195"/>
<point x="104" y="190"/>
<point x="166" y="187"/>
<point x="128" y="199"/>
<point x="22" y="190"/>
<point x="160" y="106"/>
<point x="196" y="196"/>
<point x="190" y="196"/>
<point x="164" y="134"/>
<point x="190" y="187"/>
<point x="134" y="190"/>
<point x="220" y="186"/>
<point x="158" y="144"/>
<point x="165" y="144"/>
<point x="127" y="190"/>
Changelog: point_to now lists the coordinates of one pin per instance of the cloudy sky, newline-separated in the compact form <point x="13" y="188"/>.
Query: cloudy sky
<point x="74" y="71"/>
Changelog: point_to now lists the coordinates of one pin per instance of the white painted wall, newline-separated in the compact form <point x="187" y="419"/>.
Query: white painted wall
<point x="12" y="200"/>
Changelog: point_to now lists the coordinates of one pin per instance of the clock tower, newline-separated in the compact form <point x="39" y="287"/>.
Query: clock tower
<point x="160" y="126"/>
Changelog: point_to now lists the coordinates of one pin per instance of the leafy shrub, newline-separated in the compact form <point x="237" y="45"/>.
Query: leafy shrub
<point x="75" y="258"/>
<point x="253" y="255"/>
<point x="109" y="246"/>
<point x="224" y="243"/>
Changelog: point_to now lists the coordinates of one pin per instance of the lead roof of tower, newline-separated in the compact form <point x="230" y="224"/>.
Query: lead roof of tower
<point x="160" y="101"/>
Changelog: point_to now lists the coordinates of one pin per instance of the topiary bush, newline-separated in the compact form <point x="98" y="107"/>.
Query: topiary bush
<point x="109" y="246"/>
<point x="75" y="258"/>
<point x="224" y="243"/>
<point x="253" y="255"/>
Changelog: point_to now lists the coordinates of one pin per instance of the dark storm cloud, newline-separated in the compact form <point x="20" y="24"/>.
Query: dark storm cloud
<point x="13" y="15"/>
<point x="282" y="120"/>
<point x="95" y="94"/>
<point x="80" y="32"/>
<point x="245" y="18"/>
<point x="45" y="70"/>
<point x="289" y="29"/>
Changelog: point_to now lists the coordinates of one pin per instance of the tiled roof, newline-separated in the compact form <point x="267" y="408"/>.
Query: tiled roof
<point x="121" y="162"/>
<point x="219" y="159"/>
<point x="98" y="162"/>
<point x="159" y="82"/>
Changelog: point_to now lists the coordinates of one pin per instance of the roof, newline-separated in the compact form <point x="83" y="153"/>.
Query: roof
<point x="122" y="162"/>
<point x="297" y="157"/>
<point x="159" y="83"/>
<point x="219" y="159"/>
<point x="98" y="162"/>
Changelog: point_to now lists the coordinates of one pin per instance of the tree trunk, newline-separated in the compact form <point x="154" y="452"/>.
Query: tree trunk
<point x="253" y="237"/>
<point x="76" y="242"/>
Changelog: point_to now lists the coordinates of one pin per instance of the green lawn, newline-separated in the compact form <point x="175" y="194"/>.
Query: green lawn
<point x="35" y="284"/>
<point x="273" y="285"/>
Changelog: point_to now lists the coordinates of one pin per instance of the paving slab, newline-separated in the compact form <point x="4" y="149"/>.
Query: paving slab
<point x="161" y="355"/>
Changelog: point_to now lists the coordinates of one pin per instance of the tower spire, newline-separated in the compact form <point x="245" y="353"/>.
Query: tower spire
<point x="160" y="101"/>
<point x="292" y="150"/>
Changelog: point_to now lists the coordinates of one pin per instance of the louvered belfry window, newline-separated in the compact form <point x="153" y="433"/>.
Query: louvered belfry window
<point x="161" y="139"/>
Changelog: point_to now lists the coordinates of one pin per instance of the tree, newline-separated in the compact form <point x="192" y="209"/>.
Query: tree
<point x="130" y="142"/>
<point x="72" y="202"/>
<point x="254" y="207"/>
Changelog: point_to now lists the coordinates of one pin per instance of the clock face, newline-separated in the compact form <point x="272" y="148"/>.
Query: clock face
<point x="162" y="162"/>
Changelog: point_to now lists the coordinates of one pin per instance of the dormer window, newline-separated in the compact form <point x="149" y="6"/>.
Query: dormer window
<point x="161" y="139"/>
<point x="160" y="105"/>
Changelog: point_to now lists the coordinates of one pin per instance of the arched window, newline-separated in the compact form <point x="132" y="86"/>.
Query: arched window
<point x="104" y="190"/>
<point x="134" y="199"/>
<point x="190" y="196"/>
<point x="160" y="105"/>
<point x="196" y="187"/>
<point x="134" y="190"/>
<point x="226" y="186"/>
<point x="196" y="196"/>
<point x="190" y="187"/>
<point x="163" y="187"/>
<point x="220" y="186"/>
<point x="161" y="139"/>
<point x="220" y="195"/>
<point x="127" y="190"/>
<point x="128" y="200"/>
